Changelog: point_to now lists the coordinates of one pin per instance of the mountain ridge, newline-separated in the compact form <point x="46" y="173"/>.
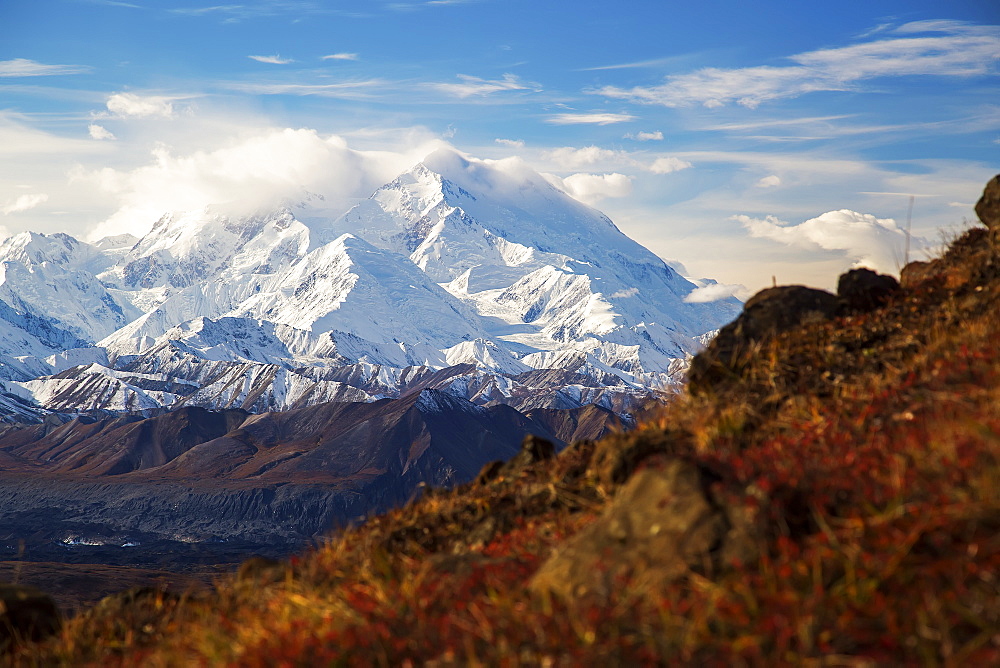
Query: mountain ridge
<point x="456" y="261"/>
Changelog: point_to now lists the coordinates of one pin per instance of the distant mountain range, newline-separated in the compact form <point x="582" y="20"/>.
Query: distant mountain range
<point x="478" y="279"/>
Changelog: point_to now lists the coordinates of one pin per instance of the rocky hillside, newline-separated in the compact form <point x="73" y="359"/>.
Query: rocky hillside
<point x="827" y="492"/>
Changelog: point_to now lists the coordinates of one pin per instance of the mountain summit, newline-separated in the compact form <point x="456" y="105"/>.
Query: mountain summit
<point x="483" y="267"/>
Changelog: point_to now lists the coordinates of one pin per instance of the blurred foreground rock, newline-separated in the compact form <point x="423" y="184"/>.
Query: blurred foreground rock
<point x="864" y="290"/>
<point x="766" y="314"/>
<point x="26" y="614"/>
<point x="660" y="526"/>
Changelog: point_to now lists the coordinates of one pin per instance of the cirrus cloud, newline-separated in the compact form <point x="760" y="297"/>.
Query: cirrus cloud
<point x="272" y="60"/>
<point x="471" y="86"/>
<point x="22" y="67"/>
<point x="947" y="48"/>
<point x="589" y="119"/>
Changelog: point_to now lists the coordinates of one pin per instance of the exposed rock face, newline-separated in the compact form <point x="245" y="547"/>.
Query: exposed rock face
<point x="25" y="614"/>
<point x="916" y="272"/>
<point x="988" y="206"/>
<point x="575" y="424"/>
<point x="766" y="314"/>
<point x="971" y="260"/>
<point x="661" y="525"/>
<point x="865" y="290"/>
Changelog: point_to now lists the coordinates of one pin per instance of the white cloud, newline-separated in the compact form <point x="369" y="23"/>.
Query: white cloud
<point x="771" y="181"/>
<point x="272" y="60"/>
<point x="475" y="86"/>
<point x="592" y="188"/>
<point x="342" y="90"/>
<point x="130" y="105"/>
<point x="776" y="122"/>
<point x="568" y="157"/>
<point x="571" y="158"/>
<point x="24" y="202"/>
<point x="645" y="136"/>
<point x="414" y="6"/>
<point x="668" y="164"/>
<point x="628" y="292"/>
<point x="22" y="67"/>
<point x="655" y="62"/>
<point x="262" y="169"/>
<point x="513" y="143"/>
<point x="589" y="119"/>
<point x="341" y="56"/>
<point x="99" y="132"/>
<point x="963" y="50"/>
<point x="713" y="292"/>
<point x="867" y="241"/>
<point x="956" y="49"/>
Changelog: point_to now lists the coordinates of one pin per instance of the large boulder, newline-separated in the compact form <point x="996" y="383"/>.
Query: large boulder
<point x="767" y="314"/>
<point x="865" y="290"/>
<point x="661" y="525"/>
<point x="988" y="206"/>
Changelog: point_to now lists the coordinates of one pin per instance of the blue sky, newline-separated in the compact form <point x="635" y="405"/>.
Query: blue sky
<point x="744" y="140"/>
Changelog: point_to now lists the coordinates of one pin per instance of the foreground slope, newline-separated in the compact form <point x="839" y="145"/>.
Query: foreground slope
<point x="826" y="492"/>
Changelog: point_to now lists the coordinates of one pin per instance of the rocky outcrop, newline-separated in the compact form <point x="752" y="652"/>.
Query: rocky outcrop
<point x="766" y="314"/>
<point x="988" y="206"/>
<point x="661" y="525"/>
<point x="967" y="260"/>
<point x="863" y="290"/>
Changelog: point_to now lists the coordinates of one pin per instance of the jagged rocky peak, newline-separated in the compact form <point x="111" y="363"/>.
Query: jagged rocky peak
<point x="191" y="247"/>
<point x="35" y="248"/>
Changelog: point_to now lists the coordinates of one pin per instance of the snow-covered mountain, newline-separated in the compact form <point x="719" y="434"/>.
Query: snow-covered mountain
<point x="461" y="275"/>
